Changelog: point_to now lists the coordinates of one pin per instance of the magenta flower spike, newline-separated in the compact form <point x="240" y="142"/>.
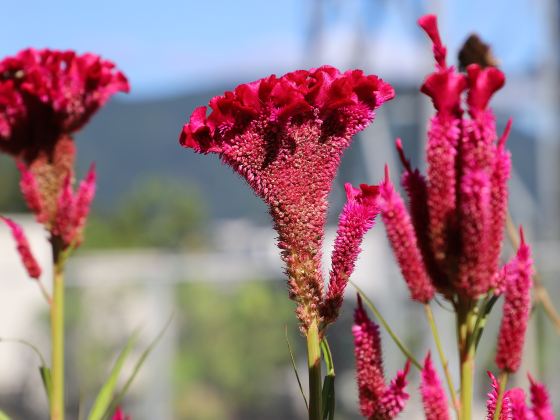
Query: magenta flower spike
<point x="356" y="218"/>
<point x="285" y="136"/>
<point x="24" y="250"/>
<point x="377" y="401"/>
<point x="541" y="406"/>
<point x="434" y="399"/>
<point x="516" y="309"/>
<point x="402" y="238"/>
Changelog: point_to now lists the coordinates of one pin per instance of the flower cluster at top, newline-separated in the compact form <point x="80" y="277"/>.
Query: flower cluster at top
<point x="45" y="97"/>
<point x="285" y="136"/>
<point x="449" y="239"/>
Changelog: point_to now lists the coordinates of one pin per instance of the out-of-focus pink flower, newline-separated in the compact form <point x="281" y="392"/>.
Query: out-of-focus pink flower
<point x="377" y="401"/>
<point x="506" y="412"/>
<point x="356" y="218"/>
<point x="403" y="240"/>
<point x="73" y="208"/>
<point x="285" y="136"/>
<point x="120" y="415"/>
<point x="433" y="394"/>
<point x="516" y="309"/>
<point x="23" y="248"/>
<point x="541" y="406"/>
<point x="48" y="94"/>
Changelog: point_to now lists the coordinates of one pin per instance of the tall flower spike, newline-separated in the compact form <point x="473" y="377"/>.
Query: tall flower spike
<point x="416" y="188"/>
<point x="516" y="310"/>
<point x="27" y="258"/>
<point x="475" y="218"/>
<point x="377" y="401"/>
<point x="429" y="24"/>
<point x="403" y="240"/>
<point x="434" y="399"/>
<point x="31" y="193"/>
<point x="356" y="218"/>
<point x="541" y="407"/>
<point x="286" y="136"/>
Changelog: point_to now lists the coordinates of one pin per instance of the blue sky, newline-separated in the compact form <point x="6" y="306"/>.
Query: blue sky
<point x="170" y="46"/>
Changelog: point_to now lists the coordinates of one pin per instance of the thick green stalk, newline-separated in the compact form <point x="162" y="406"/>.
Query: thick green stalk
<point x="467" y="355"/>
<point x="442" y="358"/>
<point x="314" y="365"/>
<point x="57" y="337"/>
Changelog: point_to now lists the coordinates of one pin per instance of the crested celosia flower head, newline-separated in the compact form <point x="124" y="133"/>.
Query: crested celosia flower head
<point x="516" y="309"/>
<point x="377" y="400"/>
<point x="434" y="399"/>
<point x="46" y="95"/>
<point x="24" y="250"/>
<point x="285" y="136"/>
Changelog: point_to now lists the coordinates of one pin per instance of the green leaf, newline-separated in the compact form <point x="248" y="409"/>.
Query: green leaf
<point x="105" y="396"/>
<point x="47" y="380"/>
<point x="4" y="416"/>
<point x="328" y="392"/>
<point x="120" y="395"/>
<point x="295" y="369"/>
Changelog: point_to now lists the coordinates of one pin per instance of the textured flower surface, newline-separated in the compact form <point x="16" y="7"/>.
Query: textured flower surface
<point x="377" y="400"/>
<point x="285" y="137"/>
<point x="541" y="406"/>
<point x="27" y="258"/>
<point x="453" y="229"/>
<point x="434" y="399"/>
<point x="516" y="309"/>
<point x="48" y="94"/>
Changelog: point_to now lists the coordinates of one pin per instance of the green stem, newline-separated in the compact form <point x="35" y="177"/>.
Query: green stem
<point x="314" y="365"/>
<point x="467" y="355"/>
<point x="503" y="381"/>
<point x="328" y="394"/>
<point x="383" y="322"/>
<point x="442" y="358"/>
<point x="57" y="337"/>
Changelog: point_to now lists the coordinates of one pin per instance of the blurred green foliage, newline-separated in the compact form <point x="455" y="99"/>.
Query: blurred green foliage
<point x="233" y="360"/>
<point x="11" y="200"/>
<point x="158" y="212"/>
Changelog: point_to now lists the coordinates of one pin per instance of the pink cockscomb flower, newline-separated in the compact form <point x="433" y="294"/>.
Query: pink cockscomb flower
<point x="53" y="94"/>
<point x="434" y="399"/>
<point x="492" y="400"/>
<point x="377" y="400"/>
<point x="27" y="258"/>
<point x="45" y="97"/>
<point x="402" y="238"/>
<point x="541" y="406"/>
<point x="285" y="136"/>
<point x="516" y="309"/>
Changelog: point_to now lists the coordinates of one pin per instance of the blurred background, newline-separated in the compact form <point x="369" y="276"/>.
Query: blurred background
<point x="176" y="234"/>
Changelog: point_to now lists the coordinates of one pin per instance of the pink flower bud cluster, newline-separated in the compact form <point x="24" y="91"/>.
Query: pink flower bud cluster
<point x="24" y="250"/>
<point x="452" y="239"/>
<point x="285" y="136"/>
<point x="514" y="406"/>
<point x="516" y="309"/>
<point x="67" y="216"/>
<point x="377" y="400"/>
<point x="434" y="399"/>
